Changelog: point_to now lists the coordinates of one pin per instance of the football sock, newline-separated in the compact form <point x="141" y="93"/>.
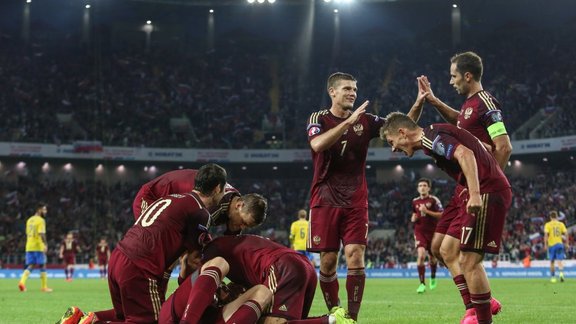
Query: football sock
<point x="481" y="304"/>
<point x="25" y="276"/>
<point x="433" y="267"/>
<point x="43" y="279"/>
<point x="463" y="288"/>
<point x="355" y="281"/>
<point x="66" y="273"/>
<point x="106" y="315"/>
<point x="329" y="286"/>
<point x="248" y="313"/>
<point x="71" y="271"/>
<point x="421" y="273"/>
<point x="202" y="295"/>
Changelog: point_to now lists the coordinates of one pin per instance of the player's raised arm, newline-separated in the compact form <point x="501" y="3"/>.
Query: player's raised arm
<point x="416" y="110"/>
<point x="324" y="141"/>
<point x="448" y="113"/>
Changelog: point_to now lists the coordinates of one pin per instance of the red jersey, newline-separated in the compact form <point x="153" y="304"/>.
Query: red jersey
<point x="70" y="247"/>
<point x="102" y="251"/>
<point x="440" y="142"/>
<point x="478" y="113"/>
<point x="179" y="182"/>
<point x="339" y="172"/>
<point x="426" y="223"/>
<point x="168" y="227"/>
<point x="249" y="256"/>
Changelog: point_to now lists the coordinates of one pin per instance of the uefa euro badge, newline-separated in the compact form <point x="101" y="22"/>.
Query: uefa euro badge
<point x="358" y="129"/>
<point x="468" y="112"/>
<point x="316" y="239"/>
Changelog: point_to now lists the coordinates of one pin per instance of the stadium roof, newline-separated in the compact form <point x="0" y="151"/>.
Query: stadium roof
<point x="242" y="2"/>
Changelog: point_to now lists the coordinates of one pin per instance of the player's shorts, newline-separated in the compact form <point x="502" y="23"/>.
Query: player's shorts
<point x="483" y="232"/>
<point x="35" y="257"/>
<point x="556" y="252"/>
<point x="134" y="293"/>
<point x="329" y="225"/>
<point x="451" y="212"/>
<point x="292" y="279"/>
<point x="69" y="258"/>
<point x="423" y="239"/>
<point x="103" y="261"/>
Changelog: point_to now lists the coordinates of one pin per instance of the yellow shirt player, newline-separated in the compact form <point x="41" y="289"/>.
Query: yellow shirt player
<point x="554" y="238"/>
<point x="299" y="234"/>
<point x="36" y="248"/>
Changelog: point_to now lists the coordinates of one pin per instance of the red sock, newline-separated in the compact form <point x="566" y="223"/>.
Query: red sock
<point x="311" y="320"/>
<point x="106" y="315"/>
<point x="355" y="288"/>
<point x="329" y="286"/>
<point x="248" y="313"/>
<point x="463" y="288"/>
<point x="481" y="304"/>
<point x="202" y="295"/>
<point x="433" y="267"/>
<point x="421" y="273"/>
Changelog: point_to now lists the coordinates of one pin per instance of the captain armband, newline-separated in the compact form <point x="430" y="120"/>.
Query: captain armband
<point x="497" y="129"/>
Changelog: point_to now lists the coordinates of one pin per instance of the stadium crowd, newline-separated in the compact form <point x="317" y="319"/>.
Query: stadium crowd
<point x="94" y="210"/>
<point x="246" y="92"/>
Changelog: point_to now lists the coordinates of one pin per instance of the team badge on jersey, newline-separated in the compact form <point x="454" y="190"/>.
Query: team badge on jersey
<point x="313" y="130"/>
<point x="468" y="112"/>
<point x="358" y="129"/>
<point x="316" y="239"/>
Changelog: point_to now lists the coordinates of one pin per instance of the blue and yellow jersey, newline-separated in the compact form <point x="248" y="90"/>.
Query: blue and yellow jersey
<point x="555" y="229"/>
<point x="35" y="226"/>
<point x="299" y="234"/>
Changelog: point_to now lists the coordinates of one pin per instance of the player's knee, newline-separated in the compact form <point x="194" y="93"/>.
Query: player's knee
<point x="328" y="261"/>
<point x="220" y="263"/>
<point x="262" y="295"/>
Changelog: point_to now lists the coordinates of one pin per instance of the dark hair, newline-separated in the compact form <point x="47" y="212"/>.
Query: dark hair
<point x="426" y="180"/>
<point x="41" y="205"/>
<point x="394" y="121"/>
<point x="257" y="206"/>
<point x="209" y="176"/>
<point x="553" y="214"/>
<point x="334" y="78"/>
<point x="468" y="62"/>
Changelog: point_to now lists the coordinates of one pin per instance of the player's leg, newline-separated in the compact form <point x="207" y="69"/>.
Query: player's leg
<point x="202" y="294"/>
<point x="43" y="274"/>
<point x="433" y="267"/>
<point x="435" y="245"/>
<point x="560" y="257"/>
<point x="248" y="307"/>
<point x="324" y="237"/>
<point x="354" y="229"/>
<point x="552" y="271"/>
<point x="477" y="280"/>
<point x="421" y="266"/>
<point x="28" y="266"/>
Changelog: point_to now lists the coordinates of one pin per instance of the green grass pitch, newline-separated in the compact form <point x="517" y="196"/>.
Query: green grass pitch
<point x="385" y="301"/>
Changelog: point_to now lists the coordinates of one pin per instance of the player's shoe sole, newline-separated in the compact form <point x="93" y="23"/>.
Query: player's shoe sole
<point x="46" y="290"/>
<point x="21" y="287"/>
<point x="72" y="315"/>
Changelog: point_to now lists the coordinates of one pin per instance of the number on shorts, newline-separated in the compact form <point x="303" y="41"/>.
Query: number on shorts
<point x="151" y="213"/>
<point x="466" y="232"/>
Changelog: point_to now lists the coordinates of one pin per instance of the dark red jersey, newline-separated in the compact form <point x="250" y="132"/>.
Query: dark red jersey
<point x="249" y="256"/>
<point x="102" y="251"/>
<point x="426" y="223"/>
<point x="339" y="172"/>
<point x="166" y="229"/>
<point x="70" y="247"/>
<point x="440" y="142"/>
<point x="179" y="182"/>
<point x="478" y="113"/>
